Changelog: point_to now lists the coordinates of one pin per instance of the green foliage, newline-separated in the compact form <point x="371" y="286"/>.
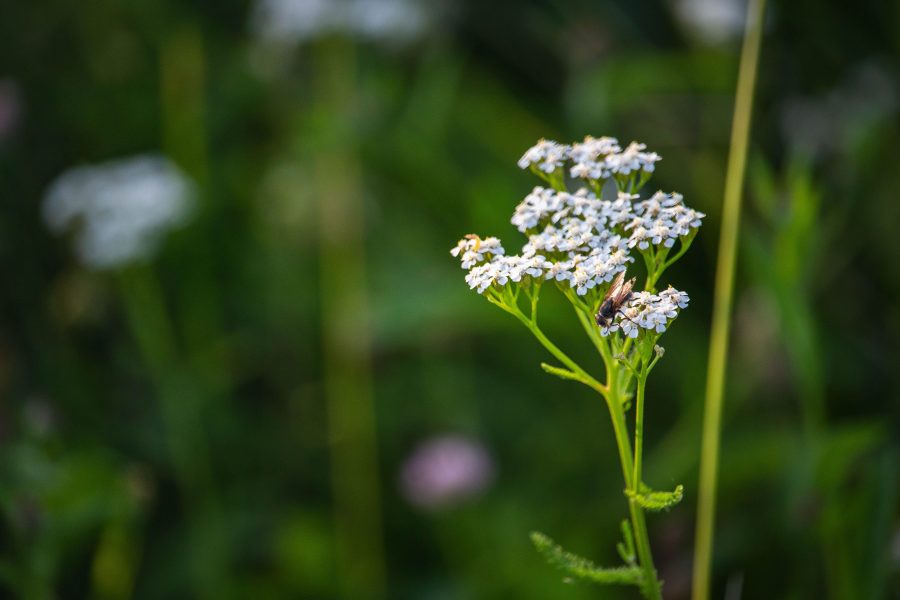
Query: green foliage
<point x="581" y="568"/>
<point x="561" y="373"/>
<point x="626" y="546"/>
<point x="91" y="498"/>
<point x="652" y="500"/>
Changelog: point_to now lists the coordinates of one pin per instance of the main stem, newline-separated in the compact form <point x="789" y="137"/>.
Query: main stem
<point x="639" y="430"/>
<point x="614" y="393"/>
<point x="631" y="470"/>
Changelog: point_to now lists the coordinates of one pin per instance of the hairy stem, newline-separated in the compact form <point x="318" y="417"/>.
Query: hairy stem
<point x="631" y="471"/>
<point x="639" y="431"/>
<point x="620" y="429"/>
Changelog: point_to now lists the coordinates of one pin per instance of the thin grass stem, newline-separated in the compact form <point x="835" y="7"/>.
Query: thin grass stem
<point x="724" y="291"/>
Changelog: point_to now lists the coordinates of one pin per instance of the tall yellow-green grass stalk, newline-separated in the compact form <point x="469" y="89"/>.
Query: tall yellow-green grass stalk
<point x="724" y="292"/>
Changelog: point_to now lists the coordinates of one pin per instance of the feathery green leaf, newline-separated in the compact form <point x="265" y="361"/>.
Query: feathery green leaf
<point x="560" y="372"/>
<point x="626" y="547"/>
<point x="581" y="568"/>
<point x="655" y="501"/>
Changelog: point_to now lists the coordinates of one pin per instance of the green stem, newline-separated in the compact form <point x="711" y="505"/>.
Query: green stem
<point x="715" y="381"/>
<point x="620" y="429"/>
<point x="631" y="463"/>
<point x="590" y="328"/>
<point x="650" y="265"/>
<point x="685" y="244"/>
<point x="631" y="471"/>
<point x="614" y="392"/>
<point x="639" y="431"/>
<point x="650" y="586"/>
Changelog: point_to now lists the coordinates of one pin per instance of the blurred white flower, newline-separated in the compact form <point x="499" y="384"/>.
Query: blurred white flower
<point x="120" y="210"/>
<point x="445" y="470"/>
<point x="713" y="21"/>
<point x="294" y="21"/>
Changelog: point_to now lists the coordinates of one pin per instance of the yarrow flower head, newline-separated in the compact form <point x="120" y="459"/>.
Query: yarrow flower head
<point x="576" y="239"/>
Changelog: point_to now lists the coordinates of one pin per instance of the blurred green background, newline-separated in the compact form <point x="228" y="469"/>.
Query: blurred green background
<point x="233" y="416"/>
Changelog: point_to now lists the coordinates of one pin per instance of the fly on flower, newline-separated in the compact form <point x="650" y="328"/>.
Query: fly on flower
<point x="618" y="294"/>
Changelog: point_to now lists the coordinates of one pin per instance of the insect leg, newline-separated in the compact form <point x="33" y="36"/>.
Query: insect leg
<point x="626" y="317"/>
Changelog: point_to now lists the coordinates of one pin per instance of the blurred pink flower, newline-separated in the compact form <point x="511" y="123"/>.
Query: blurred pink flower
<point x="445" y="470"/>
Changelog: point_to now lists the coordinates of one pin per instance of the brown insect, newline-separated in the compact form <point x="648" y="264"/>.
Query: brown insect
<point x="618" y="294"/>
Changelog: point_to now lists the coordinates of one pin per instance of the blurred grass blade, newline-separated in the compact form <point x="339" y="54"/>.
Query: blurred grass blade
<point x="724" y="291"/>
<point x="156" y="337"/>
<point x="182" y="95"/>
<point x="346" y="327"/>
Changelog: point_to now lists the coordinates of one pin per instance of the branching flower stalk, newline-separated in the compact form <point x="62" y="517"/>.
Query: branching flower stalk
<point x="581" y="243"/>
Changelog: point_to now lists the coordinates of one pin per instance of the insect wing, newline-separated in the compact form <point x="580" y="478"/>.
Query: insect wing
<point x="614" y="289"/>
<point x="624" y="292"/>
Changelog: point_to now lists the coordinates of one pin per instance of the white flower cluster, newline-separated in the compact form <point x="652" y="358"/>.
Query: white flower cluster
<point x="546" y="155"/>
<point x="661" y="219"/>
<point x="545" y="206"/>
<point x="648" y="311"/>
<point x="632" y="160"/>
<point x="121" y="209"/>
<point x="593" y="159"/>
<point x="472" y="250"/>
<point x="579" y="240"/>
<point x="582" y="272"/>
<point x="504" y="269"/>
<point x="590" y="157"/>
